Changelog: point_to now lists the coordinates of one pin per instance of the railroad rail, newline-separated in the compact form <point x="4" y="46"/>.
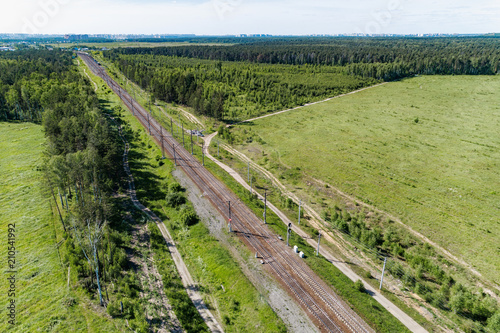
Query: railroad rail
<point x="327" y="310"/>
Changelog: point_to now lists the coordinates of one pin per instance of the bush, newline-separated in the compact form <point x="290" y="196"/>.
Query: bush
<point x="114" y="309"/>
<point x="175" y="187"/>
<point x="325" y="215"/>
<point x="175" y="199"/>
<point x="494" y="323"/>
<point x="358" y="285"/>
<point x="189" y="218"/>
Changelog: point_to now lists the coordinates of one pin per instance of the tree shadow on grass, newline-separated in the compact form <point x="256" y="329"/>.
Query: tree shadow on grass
<point x="147" y="184"/>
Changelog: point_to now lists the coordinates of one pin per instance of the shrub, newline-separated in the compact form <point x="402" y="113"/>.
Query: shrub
<point x="175" y="199"/>
<point x="114" y="309"/>
<point x="358" y="285"/>
<point x="189" y="218"/>
<point x="175" y="187"/>
<point x="494" y="323"/>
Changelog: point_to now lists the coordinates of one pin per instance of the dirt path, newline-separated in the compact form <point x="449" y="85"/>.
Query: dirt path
<point x="186" y="278"/>
<point x="308" y="104"/>
<point x="159" y="312"/>
<point x="191" y="118"/>
<point x="393" y="309"/>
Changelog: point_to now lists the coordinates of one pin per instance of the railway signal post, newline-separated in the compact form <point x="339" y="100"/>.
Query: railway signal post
<point x="288" y="232"/>
<point x="161" y="139"/>
<point x="319" y="238"/>
<point x="229" y="223"/>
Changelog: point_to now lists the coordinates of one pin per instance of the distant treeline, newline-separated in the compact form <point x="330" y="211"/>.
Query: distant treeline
<point x="380" y="58"/>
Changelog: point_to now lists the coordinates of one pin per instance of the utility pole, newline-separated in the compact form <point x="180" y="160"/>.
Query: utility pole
<point x="383" y="271"/>
<point x="319" y="238"/>
<point x="229" y="224"/>
<point x="175" y="158"/>
<point x="300" y="202"/>
<point x="251" y="190"/>
<point x="218" y="148"/>
<point x="161" y="138"/>
<point x="248" y="171"/>
<point x="183" y="144"/>
<point x="288" y="232"/>
<point x="202" y="156"/>
<point x="149" y="124"/>
<point x="265" y="206"/>
<point x="191" y="142"/>
<point x="171" y="127"/>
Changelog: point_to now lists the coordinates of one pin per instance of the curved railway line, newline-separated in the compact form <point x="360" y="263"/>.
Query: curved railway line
<point x="324" y="307"/>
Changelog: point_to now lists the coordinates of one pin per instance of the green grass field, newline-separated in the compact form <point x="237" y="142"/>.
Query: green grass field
<point x="44" y="301"/>
<point x="425" y="149"/>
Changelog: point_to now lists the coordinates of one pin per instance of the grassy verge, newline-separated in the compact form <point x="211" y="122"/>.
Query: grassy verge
<point x="43" y="298"/>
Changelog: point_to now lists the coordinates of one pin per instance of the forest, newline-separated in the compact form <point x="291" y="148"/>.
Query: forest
<point x="236" y="82"/>
<point x="379" y="58"/>
<point x="82" y="169"/>
<point x="233" y="91"/>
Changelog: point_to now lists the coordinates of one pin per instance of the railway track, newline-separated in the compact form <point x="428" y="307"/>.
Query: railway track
<point x="324" y="307"/>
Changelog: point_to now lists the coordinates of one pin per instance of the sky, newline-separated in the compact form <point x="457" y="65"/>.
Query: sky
<point x="229" y="17"/>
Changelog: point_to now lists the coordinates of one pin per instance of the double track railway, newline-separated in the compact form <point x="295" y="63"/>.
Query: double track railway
<point x="323" y="306"/>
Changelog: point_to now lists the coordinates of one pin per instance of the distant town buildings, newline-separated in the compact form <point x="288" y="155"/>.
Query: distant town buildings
<point x="76" y="37"/>
<point x="85" y="37"/>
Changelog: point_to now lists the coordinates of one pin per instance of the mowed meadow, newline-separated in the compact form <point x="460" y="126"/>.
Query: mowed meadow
<point x="425" y="149"/>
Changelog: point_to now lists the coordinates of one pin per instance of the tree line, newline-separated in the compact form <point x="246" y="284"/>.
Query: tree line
<point x="232" y="91"/>
<point x="82" y="169"/>
<point x="379" y="58"/>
